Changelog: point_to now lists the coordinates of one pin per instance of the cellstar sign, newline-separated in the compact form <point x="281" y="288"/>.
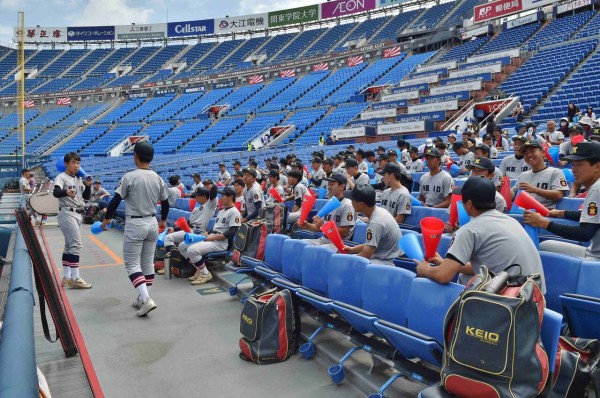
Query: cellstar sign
<point x="90" y="33"/>
<point x="339" y="8"/>
<point x="191" y="28"/>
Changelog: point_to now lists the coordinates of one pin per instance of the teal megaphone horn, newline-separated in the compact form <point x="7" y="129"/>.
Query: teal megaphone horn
<point x="330" y="206"/>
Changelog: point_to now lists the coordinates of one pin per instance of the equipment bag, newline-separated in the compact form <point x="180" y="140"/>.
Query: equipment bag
<point x="270" y="327"/>
<point x="180" y="266"/>
<point x="492" y="345"/>
<point x="576" y="371"/>
<point x="250" y="241"/>
<point x="275" y="214"/>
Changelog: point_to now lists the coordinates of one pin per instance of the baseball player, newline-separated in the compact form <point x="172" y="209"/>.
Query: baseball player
<point x="488" y="140"/>
<point x="298" y="192"/>
<point x="435" y="187"/>
<point x="338" y="165"/>
<point x="253" y="196"/>
<point x="483" y="166"/>
<point x="316" y="178"/>
<point x="363" y="166"/>
<point x="24" y="188"/>
<point x="197" y="184"/>
<point x="273" y="183"/>
<point x="566" y="148"/>
<point x="383" y="234"/>
<point x="586" y="168"/>
<point x="466" y="156"/>
<point x="223" y="177"/>
<point x="239" y="186"/>
<point x="71" y="192"/>
<point x="414" y="165"/>
<point x="140" y="189"/>
<point x="513" y="165"/>
<point x="354" y="176"/>
<point x="226" y="226"/>
<point x="545" y="184"/>
<point x="174" y="192"/>
<point x="344" y="216"/>
<point x="395" y="199"/>
<point x="99" y="194"/>
<point x="252" y="164"/>
<point x="490" y="238"/>
<point x="484" y="151"/>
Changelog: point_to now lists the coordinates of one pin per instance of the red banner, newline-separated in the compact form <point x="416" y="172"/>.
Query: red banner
<point x="492" y="106"/>
<point x="287" y="73"/>
<point x="28" y="104"/>
<point x="63" y="101"/>
<point x="353" y="61"/>
<point x="256" y="79"/>
<point x="496" y="9"/>
<point x="320" y="67"/>
<point x="391" y="52"/>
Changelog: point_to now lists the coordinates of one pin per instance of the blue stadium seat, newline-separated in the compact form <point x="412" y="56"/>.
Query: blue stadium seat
<point x="582" y="308"/>
<point x="271" y="266"/>
<point x="291" y="264"/>
<point x="562" y="275"/>
<point x="359" y="234"/>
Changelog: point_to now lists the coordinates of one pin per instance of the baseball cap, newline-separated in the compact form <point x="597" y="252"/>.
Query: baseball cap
<point x="201" y="191"/>
<point x="457" y="145"/>
<point x="413" y="149"/>
<point x="576" y="128"/>
<point x="391" y="168"/>
<point x="144" y="150"/>
<point x="328" y="160"/>
<point x="208" y="181"/>
<point x="595" y="134"/>
<point x="274" y="173"/>
<point x="438" y="139"/>
<point x="363" y="193"/>
<point x="428" y="142"/>
<point x="361" y="152"/>
<point x="228" y="191"/>
<point x="317" y="160"/>
<point x="237" y="162"/>
<point x="400" y="142"/>
<point x="337" y="156"/>
<point x="479" y="190"/>
<point x="195" y="175"/>
<point x="497" y="128"/>
<point x="585" y="151"/>
<point x="295" y="174"/>
<point x="452" y="135"/>
<point x="484" y="148"/>
<point x="383" y="156"/>
<point x="351" y="163"/>
<point x="518" y="138"/>
<point x="392" y="152"/>
<point x="350" y="147"/>
<point x="337" y="177"/>
<point x="380" y="148"/>
<point x="487" y="137"/>
<point x="531" y="144"/>
<point x="253" y="163"/>
<point x="482" y="163"/>
<point x="252" y="172"/>
<point x="369" y="153"/>
<point x="96" y="182"/>
<point x="297" y="164"/>
<point x="432" y="152"/>
<point x="222" y="164"/>
<point x="530" y="124"/>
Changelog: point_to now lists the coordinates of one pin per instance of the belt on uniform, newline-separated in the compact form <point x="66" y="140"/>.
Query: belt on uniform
<point x="73" y="209"/>
<point x="149" y="215"/>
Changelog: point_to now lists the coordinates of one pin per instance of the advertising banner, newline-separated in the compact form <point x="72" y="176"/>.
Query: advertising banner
<point x="144" y="31"/>
<point x="339" y="8"/>
<point x="483" y="30"/>
<point x="500" y="54"/>
<point x="515" y="23"/>
<point x="378" y="114"/>
<point x="418" y="87"/>
<point x="572" y="6"/>
<point x="494" y="68"/>
<point x="191" y="28"/>
<point x="293" y="16"/>
<point x="501" y="8"/>
<point x="460" y="95"/>
<point x="484" y="77"/>
<point x="451" y="105"/>
<point x="399" y="128"/>
<point x="414" y="82"/>
<point x="194" y="90"/>
<point x="42" y="35"/>
<point x="90" y="33"/>
<point x="390" y="104"/>
<point x="406" y="95"/>
<point x="502" y="61"/>
<point x="348" y="132"/>
<point x="217" y="86"/>
<point x="447" y="65"/>
<point x="433" y="116"/>
<point x="242" y="24"/>
<point x="451" y="88"/>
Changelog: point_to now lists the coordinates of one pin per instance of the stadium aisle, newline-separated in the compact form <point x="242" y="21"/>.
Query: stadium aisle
<point x="187" y="347"/>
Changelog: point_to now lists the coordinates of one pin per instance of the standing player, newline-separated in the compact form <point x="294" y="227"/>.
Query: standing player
<point x="140" y="189"/>
<point x="512" y="166"/>
<point x="253" y="196"/>
<point x="24" y="188"/>
<point x="435" y="187"/>
<point x="226" y="226"/>
<point x="298" y="191"/>
<point x="71" y="192"/>
<point x="273" y="183"/>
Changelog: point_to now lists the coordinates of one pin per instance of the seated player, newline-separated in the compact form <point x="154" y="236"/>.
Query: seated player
<point x="487" y="140"/>
<point x="566" y="148"/>
<point x="414" y="165"/>
<point x="173" y="191"/>
<point x="273" y="177"/>
<point x="466" y="156"/>
<point x="354" y="176"/>
<point x="435" y="187"/>
<point x="239" y="186"/>
<point x="513" y="165"/>
<point x="396" y="199"/>
<point x="383" y="233"/>
<point x="344" y="216"/>
<point x="546" y="184"/>
<point x="298" y="191"/>
<point x="484" y="167"/>
<point x="218" y="239"/>
<point x="316" y="177"/>
<point x="99" y="195"/>
<point x="484" y="151"/>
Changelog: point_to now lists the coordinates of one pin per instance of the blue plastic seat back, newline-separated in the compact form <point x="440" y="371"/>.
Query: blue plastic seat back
<point x="385" y="292"/>
<point x="418" y="213"/>
<point x="562" y="275"/>
<point x="315" y="268"/>
<point x="550" y="333"/>
<point x="211" y="224"/>
<point x="589" y="279"/>
<point x="274" y="249"/>
<point x="319" y="203"/>
<point x="359" y="234"/>
<point x="291" y="259"/>
<point x="427" y="306"/>
<point x="569" y="203"/>
<point x="344" y="281"/>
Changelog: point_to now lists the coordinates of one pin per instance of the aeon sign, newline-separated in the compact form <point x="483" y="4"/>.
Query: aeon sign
<point x="340" y="8"/>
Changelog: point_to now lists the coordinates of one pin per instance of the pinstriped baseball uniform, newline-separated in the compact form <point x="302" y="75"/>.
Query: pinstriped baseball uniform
<point x="69" y="220"/>
<point x="226" y="219"/>
<point x="343" y="216"/>
<point x="548" y="178"/>
<point x="198" y="222"/>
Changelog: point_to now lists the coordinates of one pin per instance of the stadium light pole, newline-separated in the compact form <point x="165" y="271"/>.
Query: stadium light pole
<point x="21" y="82"/>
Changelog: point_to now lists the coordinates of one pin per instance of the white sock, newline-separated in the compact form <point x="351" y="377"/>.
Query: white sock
<point x="204" y="271"/>
<point x="67" y="272"/>
<point x="143" y="292"/>
<point x="74" y="273"/>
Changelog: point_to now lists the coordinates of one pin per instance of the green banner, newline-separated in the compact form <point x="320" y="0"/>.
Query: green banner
<point x="294" y="16"/>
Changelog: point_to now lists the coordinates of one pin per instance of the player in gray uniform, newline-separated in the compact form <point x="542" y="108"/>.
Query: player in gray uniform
<point x="586" y="168"/>
<point x="566" y="148"/>
<point x="435" y="187"/>
<point x="484" y="151"/>
<point x="197" y="184"/>
<point x="273" y="183"/>
<point x="254" y="166"/>
<point x="297" y="195"/>
<point x="395" y="199"/>
<point x="338" y="166"/>
<point x="140" y="189"/>
<point x="512" y="166"/>
<point x="543" y="183"/>
<point x="354" y="176"/>
<point x="316" y="178"/>
<point x="328" y="170"/>
<point x="173" y="191"/>
<point x="344" y="216"/>
<point x="414" y="165"/>
<point x="71" y="192"/>
<point x="239" y="187"/>
<point x="466" y="156"/>
<point x="223" y="177"/>
<point x="98" y="195"/>
<point x="383" y="233"/>
<point x="363" y="166"/>
<point x="226" y="226"/>
<point x="491" y="238"/>
<point x="253" y="196"/>
<point x="24" y="188"/>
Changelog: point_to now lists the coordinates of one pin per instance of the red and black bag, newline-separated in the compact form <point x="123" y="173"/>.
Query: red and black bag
<point x="180" y="266"/>
<point x="492" y="345"/>
<point x="250" y="241"/>
<point x="275" y="214"/>
<point x="270" y="328"/>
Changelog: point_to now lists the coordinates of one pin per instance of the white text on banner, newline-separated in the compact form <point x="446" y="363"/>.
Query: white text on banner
<point x="451" y="105"/>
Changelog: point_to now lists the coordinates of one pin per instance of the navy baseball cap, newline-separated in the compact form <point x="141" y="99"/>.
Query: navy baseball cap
<point x="479" y="190"/>
<point x="484" y="148"/>
<point x="391" y="168"/>
<point x="351" y="163"/>
<point x="531" y="144"/>
<point x="432" y="152"/>
<point x="252" y="172"/>
<point x="228" y="191"/>
<point x="482" y="163"/>
<point x="585" y="151"/>
<point x="362" y="193"/>
<point x="337" y="177"/>
<point x="519" y="138"/>
<point x="295" y="174"/>
<point x="328" y="160"/>
<point x="274" y="173"/>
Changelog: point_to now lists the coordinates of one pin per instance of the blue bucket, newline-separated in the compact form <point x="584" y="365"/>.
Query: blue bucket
<point x="233" y="290"/>
<point x="336" y="372"/>
<point x="307" y="350"/>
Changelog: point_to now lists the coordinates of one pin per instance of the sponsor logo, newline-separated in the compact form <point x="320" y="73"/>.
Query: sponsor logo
<point x="187" y="28"/>
<point x="483" y="335"/>
<point x="247" y="319"/>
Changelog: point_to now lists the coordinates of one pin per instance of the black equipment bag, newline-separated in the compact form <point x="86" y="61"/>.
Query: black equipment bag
<point x="275" y="214"/>
<point x="250" y="241"/>
<point x="492" y="345"/>
<point x="180" y="266"/>
<point x="270" y="327"/>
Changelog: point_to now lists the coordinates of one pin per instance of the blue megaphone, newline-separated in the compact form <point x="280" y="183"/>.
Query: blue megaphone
<point x="161" y="238"/>
<point x="415" y="202"/>
<point x="454" y="170"/>
<point x="193" y="238"/>
<point x="330" y="206"/>
<point x="96" y="227"/>
<point x="411" y="247"/>
<point x="568" y="175"/>
<point x="322" y="193"/>
<point x="553" y="151"/>
<point x="463" y="216"/>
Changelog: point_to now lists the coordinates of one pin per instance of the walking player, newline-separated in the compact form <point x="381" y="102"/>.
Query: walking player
<point x="71" y="192"/>
<point x="141" y="189"/>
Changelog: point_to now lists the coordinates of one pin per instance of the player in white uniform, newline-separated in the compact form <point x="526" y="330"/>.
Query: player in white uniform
<point x="484" y="167"/>
<point x="253" y="196"/>
<point x="513" y="165"/>
<point x="363" y="166"/>
<point x="487" y="140"/>
<point x="140" y="189"/>
<point x="383" y="233"/>
<point x="197" y="184"/>
<point x="24" y="188"/>
<point x="354" y="176"/>
<point x="586" y="169"/>
<point x="98" y="195"/>
<point x="484" y="151"/>
<point x="395" y="199"/>
<point x="239" y="186"/>
<point x="71" y="192"/>
<point x="344" y="216"/>
<point x="173" y="191"/>
<point x="545" y="184"/>
<point x="435" y="187"/>
<point x="316" y="178"/>
<point x="223" y="177"/>
<point x="491" y="238"/>
<point x="414" y="165"/>
<point x="298" y="191"/>
<point x="273" y="177"/>
<point x="226" y="226"/>
<point x="466" y="156"/>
